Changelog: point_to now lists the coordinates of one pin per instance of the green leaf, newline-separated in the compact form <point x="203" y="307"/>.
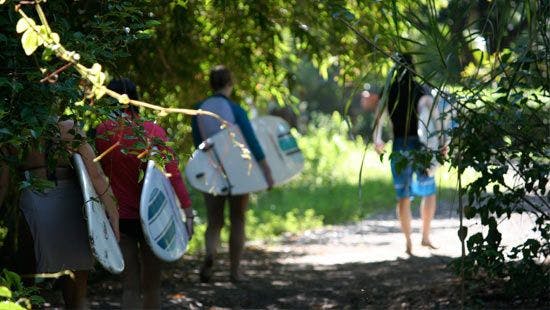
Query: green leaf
<point x="30" y="41"/>
<point x="55" y="37"/>
<point x="8" y="305"/>
<point x="100" y="91"/>
<point x="323" y="70"/>
<point x="469" y="212"/>
<point x="462" y="232"/>
<point x="141" y="175"/>
<point x="23" y="25"/>
<point x="95" y="69"/>
<point x="152" y="23"/>
<point x="5" y="292"/>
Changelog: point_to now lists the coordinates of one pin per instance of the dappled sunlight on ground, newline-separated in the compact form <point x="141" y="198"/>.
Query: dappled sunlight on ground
<point x="353" y="266"/>
<point x="368" y="241"/>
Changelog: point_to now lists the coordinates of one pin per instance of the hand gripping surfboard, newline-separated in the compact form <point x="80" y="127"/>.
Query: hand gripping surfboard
<point x="218" y="167"/>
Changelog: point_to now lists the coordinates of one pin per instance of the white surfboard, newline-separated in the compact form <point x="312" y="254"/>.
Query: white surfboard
<point x="161" y="221"/>
<point x="218" y="167"/>
<point x="428" y="129"/>
<point x="102" y="238"/>
<point x="435" y="119"/>
<point x="434" y="122"/>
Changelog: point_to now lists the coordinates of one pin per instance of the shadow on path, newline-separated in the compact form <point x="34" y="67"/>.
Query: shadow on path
<point x="418" y="282"/>
<point x="354" y="266"/>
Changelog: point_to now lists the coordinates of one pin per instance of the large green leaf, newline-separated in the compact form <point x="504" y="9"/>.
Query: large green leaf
<point x="5" y="292"/>
<point x="23" y="24"/>
<point x="30" y="41"/>
<point x="8" y="305"/>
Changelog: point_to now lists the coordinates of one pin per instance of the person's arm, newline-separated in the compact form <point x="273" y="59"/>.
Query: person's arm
<point x="267" y="173"/>
<point x="195" y="132"/>
<point x="177" y="182"/>
<point x="181" y="191"/>
<point x="241" y="119"/>
<point x="377" y="131"/>
<point x="383" y="111"/>
<point x="98" y="178"/>
<point x="369" y="100"/>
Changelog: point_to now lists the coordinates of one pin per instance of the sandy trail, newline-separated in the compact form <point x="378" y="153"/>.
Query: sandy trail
<point x="355" y="266"/>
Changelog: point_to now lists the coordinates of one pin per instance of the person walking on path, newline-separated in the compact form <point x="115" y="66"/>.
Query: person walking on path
<point x="402" y="106"/>
<point x="53" y="236"/>
<point x="204" y="127"/>
<point x="141" y="277"/>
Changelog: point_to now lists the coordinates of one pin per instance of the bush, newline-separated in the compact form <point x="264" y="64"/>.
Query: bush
<point x="14" y="295"/>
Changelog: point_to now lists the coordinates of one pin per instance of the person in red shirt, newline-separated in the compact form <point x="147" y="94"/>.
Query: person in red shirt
<point x="123" y="167"/>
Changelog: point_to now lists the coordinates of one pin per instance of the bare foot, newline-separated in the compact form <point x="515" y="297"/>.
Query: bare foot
<point x="206" y="270"/>
<point x="428" y="244"/>
<point x="409" y="248"/>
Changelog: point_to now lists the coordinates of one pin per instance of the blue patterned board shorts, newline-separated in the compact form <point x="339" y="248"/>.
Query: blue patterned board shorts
<point x="407" y="182"/>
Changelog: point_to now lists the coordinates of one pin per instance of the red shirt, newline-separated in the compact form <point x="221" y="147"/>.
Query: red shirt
<point x="123" y="169"/>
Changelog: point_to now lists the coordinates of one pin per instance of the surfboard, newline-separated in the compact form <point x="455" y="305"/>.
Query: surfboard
<point x="218" y="167"/>
<point x="434" y="123"/>
<point x="428" y="129"/>
<point x="102" y="238"/>
<point x="435" y="119"/>
<point x="160" y="217"/>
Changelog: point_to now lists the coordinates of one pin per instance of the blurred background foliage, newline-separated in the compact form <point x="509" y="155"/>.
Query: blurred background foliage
<point x="296" y="53"/>
<point x="314" y="57"/>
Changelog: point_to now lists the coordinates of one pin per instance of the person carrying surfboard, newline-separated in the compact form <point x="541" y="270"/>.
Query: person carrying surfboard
<point x="53" y="233"/>
<point x="203" y="127"/>
<point x="402" y="106"/>
<point x="141" y="277"/>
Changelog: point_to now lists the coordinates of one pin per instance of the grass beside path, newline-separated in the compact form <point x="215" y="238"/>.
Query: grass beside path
<point x="327" y="190"/>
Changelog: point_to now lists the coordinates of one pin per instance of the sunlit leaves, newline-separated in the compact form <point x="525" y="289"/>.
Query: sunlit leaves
<point x="123" y="99"/>
<point x="97" y="77"/>
<point x="30" y="40"/>
<point x="5" y="292"/>
<point x="23" y="24"/>
<point x="55" y="37"/>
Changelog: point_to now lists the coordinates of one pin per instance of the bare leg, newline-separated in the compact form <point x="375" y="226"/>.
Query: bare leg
<point x="150" y="277"/>
<point x="131" y="295"/>
<point x="238" y="206"/>
<point x="214" y="210"/>
<point x="74" y="290"/>
<point x="405" y="216"/>
<point x="427" y="211"/>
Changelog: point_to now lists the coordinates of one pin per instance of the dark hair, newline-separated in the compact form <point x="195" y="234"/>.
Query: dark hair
<point x="220" y="77"/>
<point x="125" y="86"/>
<point x="406" y="61"/>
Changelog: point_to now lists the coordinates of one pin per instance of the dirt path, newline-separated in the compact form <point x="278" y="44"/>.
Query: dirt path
<point x="417" y="282"/>
<point x="341" y="267"/>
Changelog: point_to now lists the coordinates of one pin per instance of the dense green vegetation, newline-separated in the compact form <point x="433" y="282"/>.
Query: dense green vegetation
<point x="492" y="54"/>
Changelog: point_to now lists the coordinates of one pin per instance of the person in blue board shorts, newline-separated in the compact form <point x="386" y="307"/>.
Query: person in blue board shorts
<point x="403" y="99"/>
<point x="221" y="82"/>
